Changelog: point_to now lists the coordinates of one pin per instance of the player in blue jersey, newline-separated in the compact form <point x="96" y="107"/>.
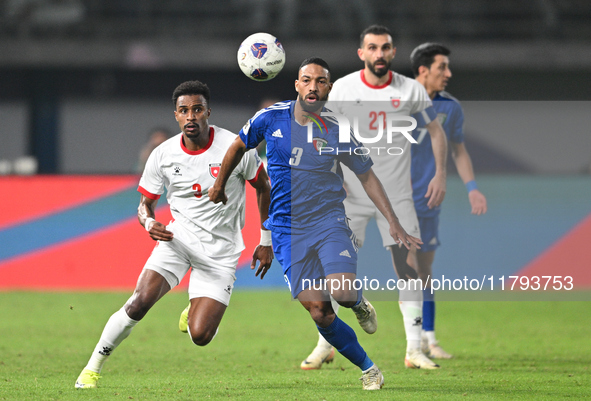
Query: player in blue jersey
<point x="430" y="64"/>
<point x="364" y="95"/>
<point x="310" y="234"/>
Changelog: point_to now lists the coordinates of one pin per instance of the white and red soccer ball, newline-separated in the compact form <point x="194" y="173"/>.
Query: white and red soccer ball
<point x="261" y="56"/>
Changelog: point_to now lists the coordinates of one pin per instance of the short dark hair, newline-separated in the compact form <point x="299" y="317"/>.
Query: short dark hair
<point x="314" y="60"/>
<point x="425" y="55"/>
<point x="190" y="88"/>
<point x="373" y="30"/>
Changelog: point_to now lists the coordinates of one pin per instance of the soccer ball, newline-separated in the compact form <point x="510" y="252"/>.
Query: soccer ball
<point x="261" y="56"/>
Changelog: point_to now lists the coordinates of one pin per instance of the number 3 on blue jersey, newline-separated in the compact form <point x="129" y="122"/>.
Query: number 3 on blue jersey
<point x="297" y="155"/>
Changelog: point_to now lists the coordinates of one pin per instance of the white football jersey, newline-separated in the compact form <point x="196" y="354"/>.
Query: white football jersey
<point x="187" y="176"/>
<point x="353" y="96"/>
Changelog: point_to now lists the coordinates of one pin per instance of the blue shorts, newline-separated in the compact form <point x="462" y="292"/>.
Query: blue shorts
<point x="314" y="254"/>
<point x="429" y="227"/>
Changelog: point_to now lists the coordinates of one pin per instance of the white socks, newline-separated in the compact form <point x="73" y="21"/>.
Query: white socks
<point x="116" y="330"/>
<point x="335" y="305"/>
<point x="430" y="336"/>
<point x="322" y="343"/>
<point x="411" y="306"/>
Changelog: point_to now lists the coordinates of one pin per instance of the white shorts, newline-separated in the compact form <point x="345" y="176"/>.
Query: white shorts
<point x="361" y="212"/>
<point x="211" y="277"/>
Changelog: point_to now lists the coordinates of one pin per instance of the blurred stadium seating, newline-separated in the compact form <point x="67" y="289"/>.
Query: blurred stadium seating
<point x="55" y="30"/>
<point x="303" y="20"/>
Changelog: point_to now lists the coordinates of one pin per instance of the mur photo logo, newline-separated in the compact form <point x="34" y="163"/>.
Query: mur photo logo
<point x="350" y="133"/>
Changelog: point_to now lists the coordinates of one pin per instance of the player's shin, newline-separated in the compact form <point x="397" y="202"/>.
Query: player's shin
<point x="411" y="303"/>
<point x="428" y="310"/>
<point x="343" y="338"/>
<point x="116" y="330"/>
<point x="322" y="343"/>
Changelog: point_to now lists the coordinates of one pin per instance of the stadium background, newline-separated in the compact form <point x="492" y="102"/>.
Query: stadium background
<point x="82" y="82"/>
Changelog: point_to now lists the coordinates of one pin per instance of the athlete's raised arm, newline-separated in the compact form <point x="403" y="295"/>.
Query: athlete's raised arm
<point x="233" y="156"/>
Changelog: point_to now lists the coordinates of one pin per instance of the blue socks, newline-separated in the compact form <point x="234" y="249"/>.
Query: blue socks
<point x="428" y="310"/>
<point x="343" y="338"/>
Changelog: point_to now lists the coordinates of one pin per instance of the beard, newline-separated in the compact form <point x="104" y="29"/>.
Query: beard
<point x="314" y="107"/>
<point x="382" y="70"/>
<point x="194" y="136"/>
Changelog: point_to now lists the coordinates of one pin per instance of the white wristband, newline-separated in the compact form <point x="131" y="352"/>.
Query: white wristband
<point x="265" y="238"/>
<point x="147" y="223"/>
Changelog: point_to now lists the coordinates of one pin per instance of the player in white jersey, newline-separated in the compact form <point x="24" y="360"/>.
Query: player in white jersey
<point x="204" y="237"/>
<point x="378" y="97"/>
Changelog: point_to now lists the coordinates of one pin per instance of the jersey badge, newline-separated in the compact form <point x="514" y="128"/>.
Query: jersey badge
<point x="214" y="169"/>
<point x="316" y="119"/>
<point x="395" y="102"/>
<point x="177" y="170"/>
<point x="319" y="143"/>
<point x="441" y="117"/>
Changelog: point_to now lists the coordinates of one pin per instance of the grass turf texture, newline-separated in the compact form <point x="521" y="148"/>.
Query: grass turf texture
<point x="504" y="350"/>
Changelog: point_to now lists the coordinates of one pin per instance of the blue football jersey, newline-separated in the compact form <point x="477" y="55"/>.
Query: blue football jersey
<point x="422" y="169"/>
<point x="303" y="163"/>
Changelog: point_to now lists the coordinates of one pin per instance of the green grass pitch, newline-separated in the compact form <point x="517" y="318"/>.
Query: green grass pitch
<point x="504" y="350"/>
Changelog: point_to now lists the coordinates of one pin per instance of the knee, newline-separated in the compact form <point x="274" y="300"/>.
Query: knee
<point x="321" y="315"/>
<point x="202" y="337"/>
<point x="347" y="304"/>
<point x="137" y="307"/>
<point x="346" y="299"/>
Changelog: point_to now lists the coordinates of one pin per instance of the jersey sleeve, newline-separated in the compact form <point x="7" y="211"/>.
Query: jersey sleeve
<point x="456" y="125"/>
<point x="251" y="166"/>
<point x="425" y="116"/>
<point x="253" y="131"/>
<point x="152" y="181"/>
